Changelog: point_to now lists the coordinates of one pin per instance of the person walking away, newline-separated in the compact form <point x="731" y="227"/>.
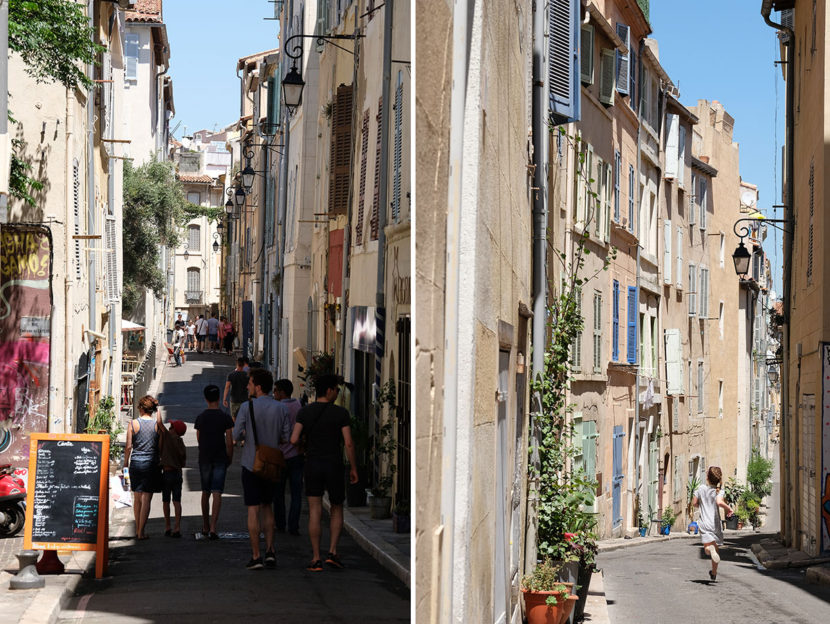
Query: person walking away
<point x="213" y="433"/>
<point x="173" y="457"/>
<point x="262" y="421"/>
<point x="201" y="333"/>
<point x="178" y="345"/>
<point x="326" y="426"/>
<point x="237" y="386"/>
<point x="709" y="499"/>
<point x="283" y="389"/>
<point x="228" y="335"/>
<point x="191" y="335"/>
<point x="141" y="455"/>
<point x="213" y="333"/>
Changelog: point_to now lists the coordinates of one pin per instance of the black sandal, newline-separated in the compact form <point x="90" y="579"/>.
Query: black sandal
<point x="713" y="576"/>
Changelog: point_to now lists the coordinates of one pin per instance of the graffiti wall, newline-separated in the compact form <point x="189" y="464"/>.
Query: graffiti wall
<point x="25" y="322"/>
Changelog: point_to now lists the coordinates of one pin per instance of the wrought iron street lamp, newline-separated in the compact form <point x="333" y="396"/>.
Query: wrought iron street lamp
<point x="239" y="197"/>
<point x="248" y="174"/>
<point x="741" y="256"/>
<point x="216" y="240"/>
<point x="292" y="89"/>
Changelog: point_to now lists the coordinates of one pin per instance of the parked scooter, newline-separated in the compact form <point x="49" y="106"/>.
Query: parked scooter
<point x="12" y="501"/>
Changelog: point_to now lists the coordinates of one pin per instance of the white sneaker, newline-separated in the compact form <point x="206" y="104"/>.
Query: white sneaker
<point x="713" y="552"/>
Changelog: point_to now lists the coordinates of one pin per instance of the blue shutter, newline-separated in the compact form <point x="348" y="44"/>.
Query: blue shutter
<point x="615" y="334"/>
<point x="563" y="60"/>
<point x="632" y="325"/>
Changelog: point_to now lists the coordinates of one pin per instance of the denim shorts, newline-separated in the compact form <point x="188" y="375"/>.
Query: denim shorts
<point x="171" y="485"/>
<point x="213" y="476"/>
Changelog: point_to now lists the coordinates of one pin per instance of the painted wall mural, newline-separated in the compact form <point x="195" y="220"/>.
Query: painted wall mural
<point x="25" y="335"/>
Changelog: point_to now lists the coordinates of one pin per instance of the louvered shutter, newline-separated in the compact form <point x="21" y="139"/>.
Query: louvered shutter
<point x="701" y="387"/>
<point x="672" y="131"/>
<point x="692" y="289"/>
<point x="586" y="48"/>
<point x="704" y="191"/>
<point x="667" y="236"/>
<point x="341" y="145"/>
<point x="597" y="202"/>
<point x="606" y="79"/>
<point x="617" y="174"/>
<point x="364" y="150"/>
<point x="631" y="198"/>
<point x="113" y="251"/>
<point x="272" y="121"/>
<point x="681" y="155"/>
<point x="589" y="456"/>
<point x="632" y="325"/>
<point x="623" y="60"/>
<point x="374" y="222"/>
<point x="632" y="95"/>
<point x="76" y="212"/>
<point x="606" y="211"/>
<point x="679" y="281"/>
<point x="704" y="293"/>
<point x="615" y="327"/>
<point x="674" y="363"/>
<point x="563" y="60"/>
<point x="398" y="152"/>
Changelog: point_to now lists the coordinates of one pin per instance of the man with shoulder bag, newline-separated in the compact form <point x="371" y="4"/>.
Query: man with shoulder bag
<point x="263" y="422"/>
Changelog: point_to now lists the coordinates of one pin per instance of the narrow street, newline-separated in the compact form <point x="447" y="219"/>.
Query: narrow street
<point x="185" y="580"/>
<point x="667" y="582"/>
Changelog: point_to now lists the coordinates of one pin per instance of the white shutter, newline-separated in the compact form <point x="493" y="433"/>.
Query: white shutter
<point x="679" y="283"/>
<point x="692" y="289"/>
<point x="704" y="292"/>
<point x="672" y="123"/>
<point x="674" y="364"/>
<point x="131" y="43"/>
<point x="667" y="236"/>
<point x="606" y="78"/>
<point x="112" y="244"/>
<point x="704" y="191"/>
<point x="606" y="235"/>
<point x="587" y="54"/>
<point x="623" y="60"/>
<point x="597" y="202"/>
<point x="681" y="155"/>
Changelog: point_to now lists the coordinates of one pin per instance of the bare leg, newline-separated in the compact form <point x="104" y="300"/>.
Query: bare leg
<point x="267" y="512"/>
<point x="137" y="510"/>
<point x="217" y="505"/>
<point x="145" y="512"/>
<point x="205" y="511"/>
<point x="253" y="530"/>
<point x="315" y="513"/>
<point x="711" y="549"/>
<point x="177" y="506"/>
<point x="165" y="507"/>
<point x="335" y="526"/>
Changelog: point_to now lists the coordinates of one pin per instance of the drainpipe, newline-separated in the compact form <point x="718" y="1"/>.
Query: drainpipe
<point x="541" y="138"/>
<point x="90" y="209"/>
<point x="637" y="302"/>
<point x="383" y="194"/>
<point x="787" y="486"/>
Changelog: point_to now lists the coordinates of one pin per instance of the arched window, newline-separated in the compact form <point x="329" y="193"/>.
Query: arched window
<point x="194" y="238"/>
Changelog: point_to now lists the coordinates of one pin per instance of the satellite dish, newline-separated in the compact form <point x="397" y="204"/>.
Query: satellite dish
<point x="749" y="198"/>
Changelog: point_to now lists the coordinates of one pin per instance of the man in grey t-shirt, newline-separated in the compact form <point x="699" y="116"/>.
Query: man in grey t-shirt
<point x="213" y="333"/>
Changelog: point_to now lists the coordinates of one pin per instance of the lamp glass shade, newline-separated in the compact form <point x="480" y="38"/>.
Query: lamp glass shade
<point x="229" y="207"/>
<point x="220" y="226"/>
<point x="215" y="246"/>
<point x="248" y="178"/>
<point x="292" y="89"/>
<point x="239" y="197"/>
<point x="185" y="254"/>
<point x="741" y="258"/>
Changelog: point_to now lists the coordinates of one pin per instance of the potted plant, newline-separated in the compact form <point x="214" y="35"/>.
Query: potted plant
<point x="547" y="599"/>
<point x="733" y="492"/>
<point x="104" y="421"/>
<point x="642" y="525"/>
<point x="400" y="518"/>
<point x="666" y="522"/>
<point x="383" y="451"/>
<point x="742" y="514"/>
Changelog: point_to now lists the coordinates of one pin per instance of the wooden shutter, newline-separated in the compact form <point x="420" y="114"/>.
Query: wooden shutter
<point x="589" y="455"/>
<point x="586" y="48"/>
<point x="631" y="198"/>
<point x="563" y="59"/>
<point x="113" y="248"/>
<point x="704" y="292"/>
<point x="667" y="236"/>
<point x="617" y="174"/>
<point x="398" y="152"/>
<point x="679" y="281"/>
<point x="341" y="145"/>
<point x="632" y="325"/>
<point x="681" y="155"/>
<point x="615" y="326"/>
<point x="672" y="123"/>
<point x="632" y="95"/>
<point x="623" y="60"/>
<point x="375" y="220"/>
<point x="76" y="211"/>
<point x="606" y="78"/>
<point x="364" y="149"/>
<point x="692" y="289"/>
<point x="704" y="191"/>
<point x="273" y="113"/>
<point x="606" y="210"/>
<point x="674" y="363"/>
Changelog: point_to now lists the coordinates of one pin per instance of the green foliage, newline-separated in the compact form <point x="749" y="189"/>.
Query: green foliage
<point x="213" y="213"/>
<point x="758" y="473"/>
<point x="545" y="578"/>
<point x="691" y="487"/>
<point x="21" y="185"/>
<point x="104" y="421"/>
<point x="321" y="364"/>
<point x="384" y="443"/>
<point x="154" y="210"/>
<point x="669" y="516"/>
<point x="54" y="40"/>
<point x="733" y="491"/>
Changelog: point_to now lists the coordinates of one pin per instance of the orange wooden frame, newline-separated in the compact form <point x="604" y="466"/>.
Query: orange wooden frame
<point x="101" y="545"/>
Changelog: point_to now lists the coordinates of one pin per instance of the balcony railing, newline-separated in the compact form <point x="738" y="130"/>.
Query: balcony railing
<point x="193" y="296"/>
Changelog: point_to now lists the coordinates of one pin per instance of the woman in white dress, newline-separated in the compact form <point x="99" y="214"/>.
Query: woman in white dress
<point x="709" y="498"/>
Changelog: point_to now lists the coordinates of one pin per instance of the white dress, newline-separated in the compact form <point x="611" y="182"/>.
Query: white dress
<point x="709" y="522"/>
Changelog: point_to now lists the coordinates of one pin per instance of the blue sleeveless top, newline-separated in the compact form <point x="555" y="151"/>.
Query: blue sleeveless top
<point x="145" y="442"/>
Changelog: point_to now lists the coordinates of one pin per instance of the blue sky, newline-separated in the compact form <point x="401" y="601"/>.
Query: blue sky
<point x="725" y="51"/>
<point x="206" y="40"/>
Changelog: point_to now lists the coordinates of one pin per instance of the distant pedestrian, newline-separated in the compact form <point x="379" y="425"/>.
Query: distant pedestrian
<point x="326" y="426"/>
<point x="191" y="335"/>
<point x="228" y="334"/>
<point x="173" y="457"/>
<point x="179" y="322"/>
<point x="213" y="432"/>
<point x="237" y="386"/>
<point x="201" y="333"/>
<point x="709" y="499"/>
<point x="178" y="345"/>
<point x="213" y="333"/>
<point x="141" y="454"/>
<point x="283" y="389"/>
<point x="260" y="421"/>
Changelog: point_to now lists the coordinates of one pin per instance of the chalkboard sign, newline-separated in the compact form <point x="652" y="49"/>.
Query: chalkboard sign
<point x="67" y="497"/>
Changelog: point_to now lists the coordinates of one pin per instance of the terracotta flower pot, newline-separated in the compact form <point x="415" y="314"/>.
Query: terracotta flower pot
<point x="539" y="612"/>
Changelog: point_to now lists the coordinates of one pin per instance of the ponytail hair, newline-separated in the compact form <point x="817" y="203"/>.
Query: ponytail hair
<point x="715" y="477"/>
<point x="148" y="404"/>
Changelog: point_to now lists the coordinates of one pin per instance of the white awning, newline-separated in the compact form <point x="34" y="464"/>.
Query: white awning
<point x="130" y="326"/>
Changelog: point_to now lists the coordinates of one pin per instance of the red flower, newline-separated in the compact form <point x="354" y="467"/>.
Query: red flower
<point x="569" y="536"/>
